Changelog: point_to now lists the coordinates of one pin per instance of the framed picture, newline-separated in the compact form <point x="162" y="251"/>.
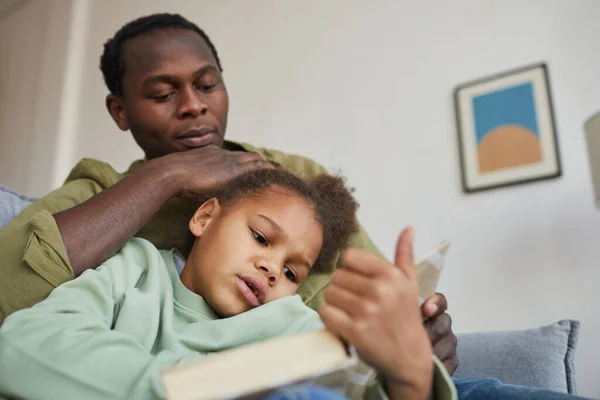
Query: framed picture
<point x="506" y="129"/>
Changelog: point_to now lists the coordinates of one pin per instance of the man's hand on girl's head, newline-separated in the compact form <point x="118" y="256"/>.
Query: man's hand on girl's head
<point x="374" y="305"/>
<point x="199" y="171"/>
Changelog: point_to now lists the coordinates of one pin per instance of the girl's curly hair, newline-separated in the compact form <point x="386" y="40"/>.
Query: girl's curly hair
<point x="334" y="206"/>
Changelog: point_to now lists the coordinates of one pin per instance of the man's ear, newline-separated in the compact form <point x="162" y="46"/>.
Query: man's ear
<point x="116" y="109"/>
<point x="204" y="215"/>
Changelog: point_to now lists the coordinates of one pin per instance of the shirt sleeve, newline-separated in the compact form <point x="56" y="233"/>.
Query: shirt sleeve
<point x="64" y="347"/>
<point x="33" y="258"/>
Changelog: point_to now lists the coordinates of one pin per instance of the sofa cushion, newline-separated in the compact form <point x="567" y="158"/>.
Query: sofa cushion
<point x="541" y="357"/>
<point x="11" y="204"/>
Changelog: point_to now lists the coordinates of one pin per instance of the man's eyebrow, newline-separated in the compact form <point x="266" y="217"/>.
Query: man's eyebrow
<point x="280" y="231"/>
<point x="159" y="78"/>
<point x="171" y="78"/>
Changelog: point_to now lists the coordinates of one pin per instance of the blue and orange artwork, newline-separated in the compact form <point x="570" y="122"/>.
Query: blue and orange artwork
<point x="506" y="129"/>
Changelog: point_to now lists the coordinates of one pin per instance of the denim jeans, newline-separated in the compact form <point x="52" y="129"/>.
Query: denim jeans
<point x="306" y="392"/>
<point x="492" y="389"/>
<point x="468" y="389"/>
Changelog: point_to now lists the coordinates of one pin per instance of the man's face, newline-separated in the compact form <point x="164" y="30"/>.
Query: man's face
<point x="251" y="252"/>
<point x="174" y="98"/>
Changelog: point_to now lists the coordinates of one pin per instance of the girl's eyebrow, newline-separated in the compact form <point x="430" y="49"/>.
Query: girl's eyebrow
<point x="273" y="224"/>
<point x="279" y="231"/>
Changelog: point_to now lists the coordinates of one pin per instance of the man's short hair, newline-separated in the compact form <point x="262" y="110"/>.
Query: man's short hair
<point x="111" y="61"/>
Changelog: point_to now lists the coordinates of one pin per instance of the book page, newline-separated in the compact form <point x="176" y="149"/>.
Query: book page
<point x="429" y="269"/>
<point x="259" y="367"/>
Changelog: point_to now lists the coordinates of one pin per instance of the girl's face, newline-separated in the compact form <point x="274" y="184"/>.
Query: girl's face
<point x="252" y="251"/>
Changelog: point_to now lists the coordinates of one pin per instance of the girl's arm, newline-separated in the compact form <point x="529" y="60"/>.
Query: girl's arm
<point x="64" y="348"/>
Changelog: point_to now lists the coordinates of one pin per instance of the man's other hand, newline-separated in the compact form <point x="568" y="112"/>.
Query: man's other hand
<point x="439" y="328"/>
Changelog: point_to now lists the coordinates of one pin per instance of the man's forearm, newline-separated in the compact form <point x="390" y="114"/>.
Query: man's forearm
<point x="96" y="229"/>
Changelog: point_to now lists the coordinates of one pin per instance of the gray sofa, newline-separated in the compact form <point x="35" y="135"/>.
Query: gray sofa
<point x="11" y="204"/>
<point x="541" y="357"/>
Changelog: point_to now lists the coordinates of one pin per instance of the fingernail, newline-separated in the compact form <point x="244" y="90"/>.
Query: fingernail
<point x="432" y="308"/>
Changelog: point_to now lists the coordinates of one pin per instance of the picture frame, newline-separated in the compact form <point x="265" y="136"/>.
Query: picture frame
<point x="506" y="129"/>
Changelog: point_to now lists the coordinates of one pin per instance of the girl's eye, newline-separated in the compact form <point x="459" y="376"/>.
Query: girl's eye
<point x="291" y="275"/>
<point x="259" y="238"/>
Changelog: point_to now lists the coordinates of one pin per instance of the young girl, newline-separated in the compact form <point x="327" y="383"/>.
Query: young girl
<point x="109" y="333"/>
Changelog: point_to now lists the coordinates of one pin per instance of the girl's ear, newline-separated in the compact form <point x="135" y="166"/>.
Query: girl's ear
<point x="204" y="215"/>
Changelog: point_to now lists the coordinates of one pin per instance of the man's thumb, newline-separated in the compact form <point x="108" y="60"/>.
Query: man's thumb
<point x="404" y="252"/>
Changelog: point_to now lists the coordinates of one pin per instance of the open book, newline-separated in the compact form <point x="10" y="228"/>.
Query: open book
<point x="255" y="370"/>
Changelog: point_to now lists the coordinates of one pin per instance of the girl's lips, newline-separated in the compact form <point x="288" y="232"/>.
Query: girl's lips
<point x="247" y="293"/>
<point x="253" y="289"/>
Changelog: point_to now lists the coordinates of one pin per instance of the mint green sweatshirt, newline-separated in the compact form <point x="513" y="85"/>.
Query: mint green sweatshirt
<point x="109" y="333"/>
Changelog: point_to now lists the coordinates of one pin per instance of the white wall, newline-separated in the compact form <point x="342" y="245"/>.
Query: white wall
<point x="34" y="37"/>
<point x="366" y="86"/>
<point x="20" y="52"/>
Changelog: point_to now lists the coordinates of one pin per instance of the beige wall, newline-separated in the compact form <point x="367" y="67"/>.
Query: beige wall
<point x="34" y="38"/>
<point x="21" y="39"/>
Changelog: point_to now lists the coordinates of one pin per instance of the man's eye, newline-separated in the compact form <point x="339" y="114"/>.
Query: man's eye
<point x="207" y="88"/>
<point x="163" y="97"/>
<point x="259" y="238"/>
<point x="291" y="275"/>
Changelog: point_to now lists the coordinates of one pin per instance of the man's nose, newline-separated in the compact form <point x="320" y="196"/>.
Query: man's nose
<point x="191" y="104"/>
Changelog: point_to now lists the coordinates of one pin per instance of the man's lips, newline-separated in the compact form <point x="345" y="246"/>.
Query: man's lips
<point x="253" y="289"/>
<point x="197" y="137"/>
